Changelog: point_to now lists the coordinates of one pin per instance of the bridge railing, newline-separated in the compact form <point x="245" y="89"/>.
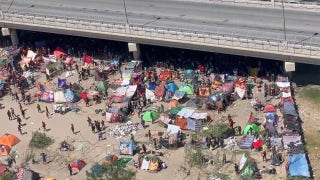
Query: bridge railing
<point x="170" y="34"/>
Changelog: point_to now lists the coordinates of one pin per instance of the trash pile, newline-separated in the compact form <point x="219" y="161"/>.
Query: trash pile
<point x="124" y="130"/>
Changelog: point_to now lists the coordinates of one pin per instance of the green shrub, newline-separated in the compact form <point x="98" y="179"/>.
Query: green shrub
<point x="110" y="172"/>
<point x="40" y="140"/>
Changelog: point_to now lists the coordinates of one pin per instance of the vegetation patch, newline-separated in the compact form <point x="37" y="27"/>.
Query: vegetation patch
<point x="40" y="140"/>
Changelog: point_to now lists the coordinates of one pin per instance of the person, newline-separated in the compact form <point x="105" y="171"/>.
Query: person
<point x="44" y="157"/>
<point x="23" y="113"/>
<point x="231" y="122"/>
<point x="224" y="158"/>
<point x="149" y="135"/>
<point x="47" y="111"/>
<point x="93" y="128"/>
<point x="72" y="128"/>
<point x="87" y="102"/>
<point x="10" y="162"/>
<point x="12" y="112"/>
<point x="89" y="121"/>
<point x="9" y="115"/>
<point x="100" y="135"/>
<point x="38" y="108"/>
<point x="144" y="148"/>
<point x="70" y="169"/>
<point x="264" y="156"/>
<point x="236" y="168"/>
<point x="132" y="137"/>
<point x="20" y="107"/>
<point x="44" y="126"/>
<point x="19" y="120"/>
<point x="20" y="129"/>
<point x="103" y="126"/>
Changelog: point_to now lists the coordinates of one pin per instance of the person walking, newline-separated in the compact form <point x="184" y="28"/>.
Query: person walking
<point x="144" y="148"/>
<point x="23" y="114"/>
<point x="93" y="128"/>
<point x="44" y="157"/>
<point x="47" y="111"/>
<point x="19" y="120"/>
<point x="100" y="135"/>
<point x="9" y="115"/>
<point x="224" y="158"/>
<point x="20" y="129"/>
<point x="70" y="170"/>
<point x="12" y="112"/>
<point x="103" y="126"/>
<point x="264" y="156"/>
<point x="89" y="121"/>
<point x="44" y="126"/>
<point x="72" y="128"/>
<point x="20" y="107"/>
<point x="39" y="108"/>
<point x="236" y="168"/>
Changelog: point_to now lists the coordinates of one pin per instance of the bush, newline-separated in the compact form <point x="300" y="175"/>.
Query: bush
<point x="217" y="130"/>
<point x="8" y="176"/>
<point x="219" y="176"/>
<point x="195" y="158"/>
<point x="40" y="140"/>
<point x="110" y="172"/>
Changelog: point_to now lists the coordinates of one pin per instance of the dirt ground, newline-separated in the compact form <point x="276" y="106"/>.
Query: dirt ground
<point x="88" y="148"/>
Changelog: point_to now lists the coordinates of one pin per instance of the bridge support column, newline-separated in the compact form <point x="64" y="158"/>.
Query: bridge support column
<point x="12" y="33"/>
<point x="289" y="67"/>
<point x="135" y="49"/>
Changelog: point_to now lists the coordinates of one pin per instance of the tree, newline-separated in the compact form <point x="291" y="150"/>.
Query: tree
<point x="109" y="171"/>
<point x="40" y="140"/>
<point x="217" y="130"/>
<point x="8" y="176"/>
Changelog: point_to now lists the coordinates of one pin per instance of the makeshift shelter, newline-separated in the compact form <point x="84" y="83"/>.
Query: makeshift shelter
<point x="171" y="87"/>
<point x="4" y="150"/>
<point x="173" y="103"/>
<point x="87" y="59"/>
<point x="165" y="75"/>
<point x="127" y="148"/>
<point x="123" y="162"/>
<point x="194" y="103"/>
<point x="26" y="174"/>
<point x="150" y="95"/>
<point x="289" y="109"/>
<point x="246" y="142"/>
<point x="298" y="165"/>
<point x="251" y="129"/>
<point x="46" y="96"/>
<point x="186" y="112"/>
<point x="113" y="115"/>
<point x="110" y="159"/>
<point x="204" y="91"/>
<point x="248" y="171"/>
<point x="59" y="97"/>
<point x="269" y="108"/>
<point x="59" y="52"/>
<point x="257" y="144"/>
<point x="69" y="96"/>
<point x="181" y="122"/>
<point x="102" y="86"/>
<point x="179" y="95"/>
<point x="159" y="91"/>
<point x="9" y="140"/>
<point x="188" y="88"/>
<point x="62" y="83"/>
<point x="150" y="116"/>
<point x="77" y="165"/>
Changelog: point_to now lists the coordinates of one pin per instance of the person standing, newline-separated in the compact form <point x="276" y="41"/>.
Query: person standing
<point x="224" y="158"/>
<point x="47" y="111"/>
<point x="38" y="108"/>
<point x="89" y="121"/>
<point x="23" y="113"/>
<point x="103" y="126"/>
<point x="44" y="157"/>
<point x="264" y="156"/>
<point x="12" y="112"/>
<point x="70" y="170"/>
<point x="72" y="128"/>
<point x="44" y="126"/>
<point x="19" y="120"/>
<point x="20" y="129"/>
<point x="144" y="148"/>
<point x="236" y="168"/>
<point x="93" y="128"/>
<point x="20" y="107"/>
<point x="100" y="135"/>
<point x="9" y="115"/>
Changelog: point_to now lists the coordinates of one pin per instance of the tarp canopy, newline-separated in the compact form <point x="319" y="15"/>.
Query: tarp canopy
<point x="298" y="165"/>
<point x="69" y="95"/>
<point x="172" y="87"/>
<point x="186" y="112"/>
<point x="289" y="109"/>
<point x="150" y="95"/>
<point x="46" y="96"/>
<point x="77" y="165"/>
<point x="173" y="129"/>
<point x="247" y="129"/>
<point x="269" y="108"/>
<point x="186" y="88"/>
<point x="126" y="148"/>
<point x="150" y="116"/>
<point x="59" y="97"/>
<point x="4" y="150"/>
<point x="102" y="86"/>
<point x="9" y="140"/>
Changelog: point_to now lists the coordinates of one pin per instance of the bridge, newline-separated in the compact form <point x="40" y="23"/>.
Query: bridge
<point x="273" y="33"/>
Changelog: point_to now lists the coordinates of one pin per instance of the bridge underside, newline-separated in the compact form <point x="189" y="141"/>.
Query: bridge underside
<point x="172" y="43"/>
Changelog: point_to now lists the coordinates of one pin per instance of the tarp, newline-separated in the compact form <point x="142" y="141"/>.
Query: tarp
<point x="159" y="91"/>
<point x="204" y="91"/>
<point x="87" y="59"/>
<point x="31" y="54"/>
<point x="199" y="115"/>
<point x="3" y="169"/>
<point x="172" y="87"/>
<point x="283" y="84"/>
<point x="131" y="90"/>
<point x="186" y="88"/>
<point x="59" y="97"/>
<point x="46" y="96"/>
<point x="289" y="109"/>
<point x="254" y="127"/>
<point x="4" y="150"/>
<point x="164" y="118"/>
<point x="77" y="165"/>
<point x="150" y="95"/>
<point x="102" y="86"/>
<point x="298" y="165"/>
<point x="126" y="148"/>
<point x="165" y="75"/>
<point x="178" y="95"/>
<point x="285" y="94"/>
<point x="191" y="124"/>
<point x="59" y="52"/>
<point x="269" y="108"/>
<point x="288" y="140"/>
<point x="241" y="92"/>
<point x="186" y="112"/>
<point x="173" y="129"/>
<point x="257" y="144"/>
<point x="9" y="140"/>
<point x="243" y="161"/>
<point x="25" y="174"/>
<point x="150" y="116"/>
<point x="246" y="142"/>
<point x="62" y="83"/>
<point x="173" y="103"/>
<point x="69" y="95"/>
<point x="181" y="122"/>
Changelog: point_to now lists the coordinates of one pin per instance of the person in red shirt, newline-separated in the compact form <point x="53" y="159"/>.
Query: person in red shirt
<point x="44" y="126"/>
<point x="231" y="122"/>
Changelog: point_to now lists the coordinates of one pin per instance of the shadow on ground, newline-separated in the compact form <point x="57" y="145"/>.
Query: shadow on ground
<point x="306" y="74"/>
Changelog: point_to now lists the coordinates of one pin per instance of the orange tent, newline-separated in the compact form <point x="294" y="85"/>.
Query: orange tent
<point x="181" y="122"/>
<point x="4" y="150"/>
<point x="9" y="140"/>
<point x="173" y="103"/>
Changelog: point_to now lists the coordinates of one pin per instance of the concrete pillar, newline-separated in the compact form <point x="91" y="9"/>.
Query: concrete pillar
<point x="14" y="37"/>
<point x="135" y="49"/>
<point x="289" y="67"/>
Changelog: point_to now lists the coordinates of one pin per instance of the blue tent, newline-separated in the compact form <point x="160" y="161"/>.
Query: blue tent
<point x="298" y="165"/>
<point x="69" y="95"/>
<point x="152" y="86"/>
<point x="62" y="83"/>
<point x="172" y="87"/>
<point x="126" y="148"/>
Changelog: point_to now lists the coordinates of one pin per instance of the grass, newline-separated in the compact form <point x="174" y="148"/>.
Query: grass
<point x="312" y="94"/>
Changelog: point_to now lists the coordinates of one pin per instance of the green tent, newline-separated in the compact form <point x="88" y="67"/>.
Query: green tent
<point x="150" y="116"/>
<point x="254" y="127"/>
<point x="175" y="110"/>
<point x="186" y="88"/>
<point x="102" y="86"/>
<point x="248" y="171"/>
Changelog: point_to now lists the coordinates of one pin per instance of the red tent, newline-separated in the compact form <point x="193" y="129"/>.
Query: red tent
<point x="87" y="59"/>
<point x="59" y="52"/>
<point x="269" y="108"/>
<point x="83" y="95"/>
<point x="257" y="144"/>
<point x="77" y="165"/>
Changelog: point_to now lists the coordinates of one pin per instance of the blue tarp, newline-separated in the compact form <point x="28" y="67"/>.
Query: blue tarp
<point x="289" y="109"/>
<point x="62" y="83"/>
<point x="298" y="165"/>
<point x="172" y="87"/>
<point x="69" y="95"/>
<point x="152" y="86"/>
<point x="191" y="124"/>
<point x="126" y="148"/>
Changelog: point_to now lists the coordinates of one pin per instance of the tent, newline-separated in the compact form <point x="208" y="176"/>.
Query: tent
<point x="83" y="95"/>
<point x="69" y="95"/>
<point x="102" y="86"/>
<point x="26" y="174"/>
<point x="87" y="59"/>
<point x="46" y="96"/>
<point x="172" y="87"/>
<point x="59" y="97"/>
<point x="298" y="165"/>
<point x="289" y="109"/>
<point x="176" y="110"/>
<point x="62" y="83"/>
<point x="77" y="165"/>
<point x="173" y="103"/>
<point x="254" y="127"/>
<point x="59" y="52"/>
<point x="150" y="95"/>
<point x="181" y="122"/>
<point x="126" y="148"/>
<point x="257" y="144"/>
<point x="186" y="88"/>
<point x="150" y="116"/>
<point x="248" y="171"/>
<point x="178" y="95"/>
<point x="4" y="150"/>
<point x="9" y="140"/>
<point x="110" y="158"/>
<point x="165" y="75"/>
<point x="269" y="108"/>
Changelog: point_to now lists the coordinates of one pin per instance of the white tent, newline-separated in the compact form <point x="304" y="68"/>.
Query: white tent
<point x="59" y="97"/>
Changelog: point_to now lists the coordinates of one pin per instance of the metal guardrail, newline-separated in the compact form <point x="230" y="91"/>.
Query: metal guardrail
<point x="183" y="36"/>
